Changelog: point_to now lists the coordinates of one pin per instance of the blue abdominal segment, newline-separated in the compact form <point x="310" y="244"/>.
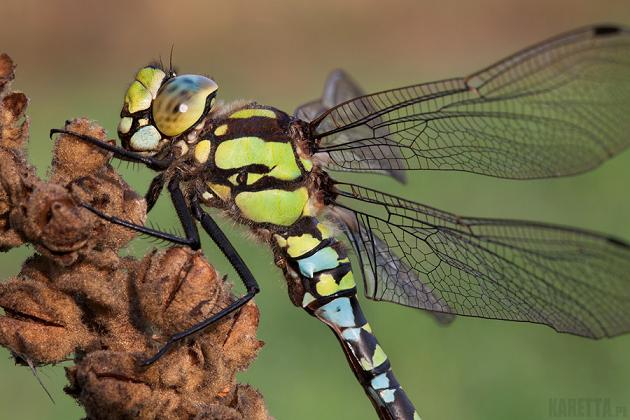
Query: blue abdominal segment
<point x="329" y="293"/>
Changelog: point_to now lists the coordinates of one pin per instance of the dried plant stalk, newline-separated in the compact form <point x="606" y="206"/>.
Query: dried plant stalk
<point x="77" y="298"/>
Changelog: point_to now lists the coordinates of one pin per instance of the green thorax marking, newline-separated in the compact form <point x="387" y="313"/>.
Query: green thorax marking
<point x="245" y="151"/>
<point x="257" y="136"/>
<point x="257" y="166"/>
<point x="279" y="207"/>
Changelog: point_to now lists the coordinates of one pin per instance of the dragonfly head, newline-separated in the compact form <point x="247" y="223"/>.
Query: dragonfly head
<point x="160" y="106"/>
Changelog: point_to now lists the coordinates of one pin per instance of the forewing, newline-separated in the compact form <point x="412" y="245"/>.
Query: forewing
<point x="558" y="108"/>
<point x="572" y="280"/>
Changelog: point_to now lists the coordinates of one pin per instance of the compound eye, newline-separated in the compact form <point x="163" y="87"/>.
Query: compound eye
<point x="181" y="102"/>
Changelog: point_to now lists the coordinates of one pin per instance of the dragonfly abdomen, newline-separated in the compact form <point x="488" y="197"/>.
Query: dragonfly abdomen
<point x="315" y="256"/>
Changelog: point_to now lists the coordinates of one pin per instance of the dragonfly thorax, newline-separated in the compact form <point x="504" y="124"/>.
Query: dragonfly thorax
<point x="252" y="164"/>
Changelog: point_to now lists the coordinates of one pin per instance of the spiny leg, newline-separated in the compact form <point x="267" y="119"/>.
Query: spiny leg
<point x="192" y="240"/>
<point x="226" y="247"/>
<point x="239" y="265"/>
<point x="183" y="213"/>
<point x="190" y="229"/>
<point x="119" y="152"/>
<point x="157" y="183"/>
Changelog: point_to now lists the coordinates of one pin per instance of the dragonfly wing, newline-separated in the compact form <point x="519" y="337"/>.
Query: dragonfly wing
<point x="572" y="280"/>
<point x="557" y="108"/>
<point x="393" y="267"/>
<point x="310" y="110"/>
<point x="339" y="88"/>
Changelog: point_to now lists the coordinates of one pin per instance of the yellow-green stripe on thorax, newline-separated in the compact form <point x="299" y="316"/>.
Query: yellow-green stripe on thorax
<point x="254" y="166"/>
<point x="245" y="151"/>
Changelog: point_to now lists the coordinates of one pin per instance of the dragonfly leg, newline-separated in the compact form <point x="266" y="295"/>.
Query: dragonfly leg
<point x="237" y="304"/>
<point x="119" y="152"/>
<point x="157" y="183"/>
<point x="224" y="244"/>
<point x="183" y="213"/>
<point x="192" y="240"/>
<point x="239" y="265"/>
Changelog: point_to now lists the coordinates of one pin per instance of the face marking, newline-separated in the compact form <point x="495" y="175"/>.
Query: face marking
<point x="125" y="125"/>
<point x="181" y="102"/>
<point x="221" y="130"/>
<point x="151" y="78"/>
<point x="145" y="139"/>
<point x="245" y="151"/>
<point x="253" y="112"/>
<point x="142" y="122"/>
<point x="202" y="151"/>
<point x="138" y="98"/>
<point x="279" y="207"/>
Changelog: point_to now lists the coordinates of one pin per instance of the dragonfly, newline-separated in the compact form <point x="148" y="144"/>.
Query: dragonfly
<point x="558" y="108"/>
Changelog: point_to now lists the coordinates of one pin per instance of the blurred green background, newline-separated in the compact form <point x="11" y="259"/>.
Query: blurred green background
<point x="77" y="59"/>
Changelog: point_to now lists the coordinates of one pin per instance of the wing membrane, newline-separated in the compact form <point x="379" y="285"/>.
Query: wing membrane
<point x="339" y="88"/>
<point x="392" y="266"/>
<point x="572" y="280"/>
<point x="558" y="108"/>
